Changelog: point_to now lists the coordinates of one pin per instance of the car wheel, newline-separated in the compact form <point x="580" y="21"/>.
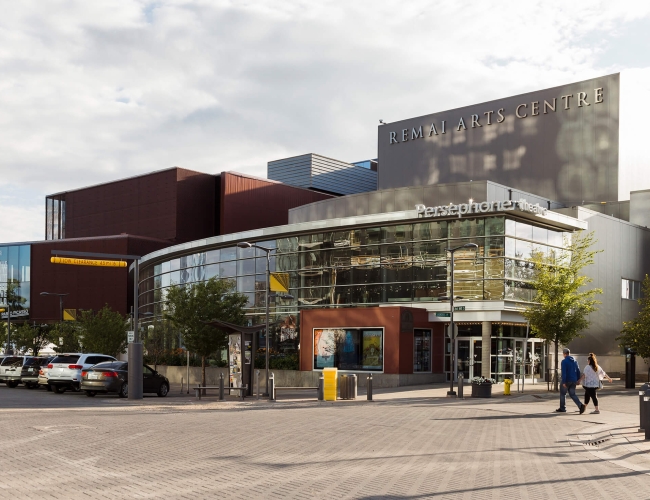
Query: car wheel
<point x="12" y="384"/>
<point x="48" y="387"/>
<point x="163" y="390"/>
<point x="58" y="389"/>
<point x="124" y="390"/>
<point x="91" y="394"/>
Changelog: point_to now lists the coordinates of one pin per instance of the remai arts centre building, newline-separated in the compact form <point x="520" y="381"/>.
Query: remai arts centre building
<point x="368" y="270"/>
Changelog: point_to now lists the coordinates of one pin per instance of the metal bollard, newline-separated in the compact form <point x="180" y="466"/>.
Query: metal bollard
<point x="221" y="387"/>
<point x="646" y="422"/>
<point x="257" y="384"/>
<point x="198" y="391"/>
<point x="321" y="388"/>
<point x="272" y="387"/>
<point x="369" y="389"/>
<point x="642" y="417"/>
<point x="460" y="386"/>
<point x="182" y="385"/>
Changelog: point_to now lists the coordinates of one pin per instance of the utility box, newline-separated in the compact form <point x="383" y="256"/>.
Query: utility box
<point x="330" y="384"/>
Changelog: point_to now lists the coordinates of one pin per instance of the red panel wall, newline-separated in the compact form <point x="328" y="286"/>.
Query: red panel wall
<point x="398" y="345"/>
<point x="175" y="205"/>
<point x="89" y="287"/>
<point x="251" y="203"/>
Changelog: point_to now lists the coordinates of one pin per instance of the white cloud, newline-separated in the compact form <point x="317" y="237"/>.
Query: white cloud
<point x="93" y="91"/>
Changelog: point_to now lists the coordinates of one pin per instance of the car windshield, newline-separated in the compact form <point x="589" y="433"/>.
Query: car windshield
<point x="12" y="360"/>
<point x="34" y="361"/>
<point x="73" y="358"/>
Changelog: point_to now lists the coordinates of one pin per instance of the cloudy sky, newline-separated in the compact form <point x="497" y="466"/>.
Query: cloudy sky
<point x="95" y="91"/>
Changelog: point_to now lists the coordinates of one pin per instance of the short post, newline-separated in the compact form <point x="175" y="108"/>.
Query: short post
<point x="199" y="391"/>
<point x="182" y="385"/>
<point x="369" y="388"/>
<point x="272" y="387"/>
<point x="321" y="387"/>
<point x="221" y="386"/>
<point x="257" y="384"/>
<point x="646" y="414"/>
<point x="643" y="392"/>
<point x="241" y="391"/>
<point x="460" y="385"/>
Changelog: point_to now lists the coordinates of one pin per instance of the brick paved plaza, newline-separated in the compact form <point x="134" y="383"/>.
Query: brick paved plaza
<point x="69" y="446"/>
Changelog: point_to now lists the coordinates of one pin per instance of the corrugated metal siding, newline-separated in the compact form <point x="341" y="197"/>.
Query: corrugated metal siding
<point x="326" y="174"/>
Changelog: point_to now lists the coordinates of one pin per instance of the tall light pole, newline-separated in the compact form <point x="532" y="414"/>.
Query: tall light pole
<point x="60" y="295"/>
<point x="245" y="244"/>
<point x="452" y="367"/>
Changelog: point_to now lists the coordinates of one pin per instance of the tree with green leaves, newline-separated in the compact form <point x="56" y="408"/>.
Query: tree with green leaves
<point x="103" y="331"/>
<point x="30" y="339"/>
<point x="636" y="333"/>
<point x="190" y="306"/>
<point x="158" y="339"/>
<point x="66" y="337"/>
<point x="562" y="301"/>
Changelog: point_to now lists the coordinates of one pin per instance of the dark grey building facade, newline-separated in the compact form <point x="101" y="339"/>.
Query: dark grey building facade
<point x="560" y="143"/>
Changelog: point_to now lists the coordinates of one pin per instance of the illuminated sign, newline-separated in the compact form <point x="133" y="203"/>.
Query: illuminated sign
<point x="479" y="208"/>
<point x="87" y="262"/>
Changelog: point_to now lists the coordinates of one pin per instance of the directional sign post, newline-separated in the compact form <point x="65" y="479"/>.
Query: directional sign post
<point x="130" y="335"/>
<point x="459" y="308"/>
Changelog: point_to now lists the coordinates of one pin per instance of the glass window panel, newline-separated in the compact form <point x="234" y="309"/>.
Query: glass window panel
<point x="48" y="218"/>
<point x="287" y="262"/>
<point x="510" y="227"/>
<point x="540" y="250"/>
<point x="494" y="247"/>
<point x="372" y="236"/>
<point x="398" y="292"/>
<point x="265" y="244"/>
<point x="175" y="277"/>
<point x="367" y="274"/>
<point x="245" y="266"/>
<point x="430" y="230"/>
<point x="523" y="230"/>
<point x="394" y="234"/>
<point x="165" y="280"/>
<point x="430" y="291"/>
<point x="165" y="268"/>
<point x="25" y="262"/>
<point x="540" y="234"/>
<point x="466" y="228"/>
<point x="510" y="247"/>
<point x="228" y="269"/>
<point x="287" y="244"/>
<point x="555" y="238"/>
<point x="370" y="294"/>
<point x="157" y="281"/>
<point x="229" y="253"/>
<point x="211" y="271"/>
<point x="157" y="269"/>
<point x="246" y="283"/>
<point x="245" y="253"/>
<point x="494" y="226"/>
<point x="13" y="263"/>
<point x="493" y="290"/>
<point x="212" y="256"/>
<point x="62" y="208"/>
<point x="174" y="264"/>
<point x="55" y="220"/>
<point x="494" y="268"/>
<point x="260" y="264"/>
<point x="524" y="249"/>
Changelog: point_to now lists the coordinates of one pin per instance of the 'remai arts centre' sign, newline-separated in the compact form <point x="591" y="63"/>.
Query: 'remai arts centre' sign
<point x="479" y="208"/>
<point x="561" y="143"/>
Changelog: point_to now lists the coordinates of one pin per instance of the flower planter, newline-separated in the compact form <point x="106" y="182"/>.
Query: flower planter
<point x="481" y="390"/>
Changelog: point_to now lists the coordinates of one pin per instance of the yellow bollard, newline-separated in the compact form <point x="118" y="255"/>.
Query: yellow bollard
<point x="506" y="387"/>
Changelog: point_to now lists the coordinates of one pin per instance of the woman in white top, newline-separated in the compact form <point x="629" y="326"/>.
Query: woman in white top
<point x="591" y="377"/>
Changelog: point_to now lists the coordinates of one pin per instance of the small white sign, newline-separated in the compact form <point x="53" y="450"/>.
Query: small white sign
<point x="130" y="335"/>
<point x="60" y="340"/>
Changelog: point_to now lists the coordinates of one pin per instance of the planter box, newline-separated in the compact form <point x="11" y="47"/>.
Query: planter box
<point x="481" y="390"/>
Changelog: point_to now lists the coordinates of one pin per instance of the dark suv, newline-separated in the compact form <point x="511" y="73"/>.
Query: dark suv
<point x="31" y="369"/>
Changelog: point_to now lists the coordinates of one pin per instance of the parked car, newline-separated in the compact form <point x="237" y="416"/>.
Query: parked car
<point x="42" y="376"/>
<point x="64" y="371"/>
<point x="8" y="368"/>
<point x="31" y="371"/>
<point x="114" y="377"/>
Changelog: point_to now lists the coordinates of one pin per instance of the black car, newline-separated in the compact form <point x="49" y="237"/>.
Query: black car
<point x="113" y="376"/>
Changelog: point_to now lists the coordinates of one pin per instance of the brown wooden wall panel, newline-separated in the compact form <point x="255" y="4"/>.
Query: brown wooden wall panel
<point x="251" y="203"/>
<point x="89" y="287"/>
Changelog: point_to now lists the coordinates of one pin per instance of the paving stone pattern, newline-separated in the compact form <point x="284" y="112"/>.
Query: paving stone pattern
<point x="420" y="448"/>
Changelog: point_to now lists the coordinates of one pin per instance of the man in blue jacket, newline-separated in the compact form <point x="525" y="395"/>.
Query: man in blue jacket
<point x="570" y="376"/>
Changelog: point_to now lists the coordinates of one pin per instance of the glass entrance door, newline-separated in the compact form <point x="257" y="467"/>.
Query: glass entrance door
<point x="468" y="357"/>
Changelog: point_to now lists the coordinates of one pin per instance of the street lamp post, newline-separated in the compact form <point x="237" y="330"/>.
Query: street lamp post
<point x="60" y="295"/>
<point x="245" y="244"/>
<point x="452" y="367"/>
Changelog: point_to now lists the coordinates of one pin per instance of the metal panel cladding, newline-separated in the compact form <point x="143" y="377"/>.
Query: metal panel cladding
<point x="560" y="143"/>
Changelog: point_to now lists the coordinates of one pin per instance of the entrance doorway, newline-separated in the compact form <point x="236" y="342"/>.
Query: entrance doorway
<point x="469" y="357"/>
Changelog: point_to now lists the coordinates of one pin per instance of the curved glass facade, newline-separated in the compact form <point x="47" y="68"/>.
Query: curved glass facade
<point x="382" y="264"/>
